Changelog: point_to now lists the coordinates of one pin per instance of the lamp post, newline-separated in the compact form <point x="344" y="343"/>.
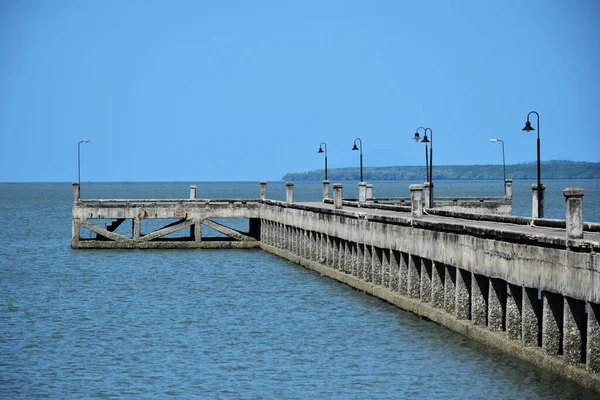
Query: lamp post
<point x="428" y="163"/>
<point x="503" y="162"/>
<point x="356" y="148"/>
<point x="79" y="163"/>
<point x="529" y="128"/>
<point x="321" y="151"/>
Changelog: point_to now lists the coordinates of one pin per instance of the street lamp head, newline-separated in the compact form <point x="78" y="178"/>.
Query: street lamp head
<point x="425" y="140"/>
<point x="528" y="127"/>
<point x="320" y="150"/>
<point x="417" y="137"/>
<point x="354" y="148"/>
<point x="493" y="140"/>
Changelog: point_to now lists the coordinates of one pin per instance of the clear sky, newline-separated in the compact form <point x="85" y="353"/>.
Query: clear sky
<point x="246" y="90"/>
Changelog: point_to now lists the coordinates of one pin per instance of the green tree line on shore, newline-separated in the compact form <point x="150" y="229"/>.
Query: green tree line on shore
<point x="549" y="170"/>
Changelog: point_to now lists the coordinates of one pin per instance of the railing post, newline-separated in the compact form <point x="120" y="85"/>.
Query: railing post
<point x="508" y="188"/>
<point x="369" y="191"/>
<point x="263" y="190"/>
<point x="193" y="192"/>
<point x="289" y="192"/>
<point x="337" y="195"/>
<point x="535" y="213"/>
<point x="574" y="212"/>
<point x="362" y="192"/>
<point x="325" y="189"/>
<point x="75" y="192"/>
<point x="428" y="187"/>
<point x="416" y="200"/>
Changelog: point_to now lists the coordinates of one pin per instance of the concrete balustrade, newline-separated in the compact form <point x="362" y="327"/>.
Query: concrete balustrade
<point x="337" y="195"/>
<point x="416" y="200"/>
<point x="574" y="212"/>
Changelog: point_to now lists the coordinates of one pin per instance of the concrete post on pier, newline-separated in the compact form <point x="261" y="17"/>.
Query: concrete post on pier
<point x="289" y="192"/>
<point x="337" y="195"/>
<point x="362" y="192"/>
<point x="369" y="192"/>
<point x="428" y="187"/>
<point x="75" y="192"/>
<point x="535" y="213"/>
<point x="263" y="190"/>
<point x="416" y="200"/>
<point x="193" y="192"/>
<point x="592" y="355"/>
<point x="508" y="189"/>
<point x="326" y="189"/>
<point x="574" y="212"/>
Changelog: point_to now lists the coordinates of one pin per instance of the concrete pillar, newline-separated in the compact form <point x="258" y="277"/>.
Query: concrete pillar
<point x="574" y="331"/>
<point x="463" y="294"/>
<point x="535" y="213"/>
<point x="196" y="230"/>
<point x="479" y="299"/>
<point x="348" y="258"/>
<point x="263" y="190"/>
<point x="369" y="191"/>
<point x="377" y="265"/>
<point x="76" y="192"/>
<point x="75" y="231"/>
<point x="496" y="304"/>
<point x="428" y="187"/>
<point x="514" y="309"/>
<point x="508" y="189"/>
<point x="426" y="272"/>
<point x="289" y="192"/>
<point x="355" y="259"/>
<point x="574" y="212"/>
<point x="325" y="189"/>
<point x="192" y="192"/>
<point x="450" y="289"/>
<point x="592" y="355"/>
<point x="362" y="192"/>
<point x="137" y="227"/>
<point x="394" y="270"/>
<point x="337" y="195"/>
<point x="361" y="261"/>
<point x="403" y="274"/>
<point x="385" y="268"/>
<point x="368" y="263"/>
<point x="437" y="284"/>
<point x="414" y="276"/>
<point x="416" y="200"/>
<point x="531" y="317"/>
<point x="552" y="323"/>
<point x="339" y="254"/>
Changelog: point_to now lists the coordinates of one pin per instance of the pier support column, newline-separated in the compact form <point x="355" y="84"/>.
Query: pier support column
<point x="76" y="192"/>
<point x="514" y="309"/>
<point x="574" y="212"/>
<point x="355" y="259"/>
<point x="368" y="263"/>
<point x="535" y="213"/>
<point x="437" y="284"/>
<point x="426" y="271"/>
<point x="362" y="192"/>
<point x="348" y="258"/>
<point x="479" y="299"/>
<point x="403" y="273"/>
<point x="385" y="268"/>
<point x="263" y="190"/>
<point x="361" y="261"/>
<point x="195" y="230"/>
<point x="574" y="331"/>
<point x="75" y="232"/>
<point x="416" y="200"/>
<point x="337" y="195"/>
<point x="531" y="317"/>
<point x="552" y="323"/>
<point x="137" y="228"/>
<point x="394" y="270"/>
<point x="496" y="304"/>
<point x="463" y="294"/>
<point x="450" y="289"/>
<point x="414" y="276"/>
<point x="325" y="189"/>
<point x="377" y="265"/>
<point x="192" y="192"/>
<point x="369" y="192"/>
<point x="289" y="192"/>
<point x="592" y="355"/>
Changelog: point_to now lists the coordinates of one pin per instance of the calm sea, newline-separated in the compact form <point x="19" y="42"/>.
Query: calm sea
<point x="228" y="324"/>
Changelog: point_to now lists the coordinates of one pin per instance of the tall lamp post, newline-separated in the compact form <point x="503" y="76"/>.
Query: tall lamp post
<point x="321" y="151"/>
<point x="503" y="162"/>
<point x="529" y="128"/>
<point x="428" y="162"/>
<point x="79" y="163"/>
<point x="356" y="148"/>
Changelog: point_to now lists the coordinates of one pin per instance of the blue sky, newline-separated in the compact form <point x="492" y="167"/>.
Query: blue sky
<point x="246" y="90"/>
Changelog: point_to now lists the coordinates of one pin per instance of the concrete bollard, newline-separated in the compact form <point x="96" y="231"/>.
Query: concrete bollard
<point x="574" y="212"/>
<point x="325" y="189"/>
<point x="193" y="192"/>
<point x="289" y="192"/>
<point x="337" y="195"/>
<point x="416" y="200"/>
<point x="263" y="190"/>
<point x="362" y="192"/>
<point x="535" y="213"/>
<point x="75" y="192"/>
<point x="508" y="188"/>
<point x="369" y="192"/>
<point x="427" y="188"/>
